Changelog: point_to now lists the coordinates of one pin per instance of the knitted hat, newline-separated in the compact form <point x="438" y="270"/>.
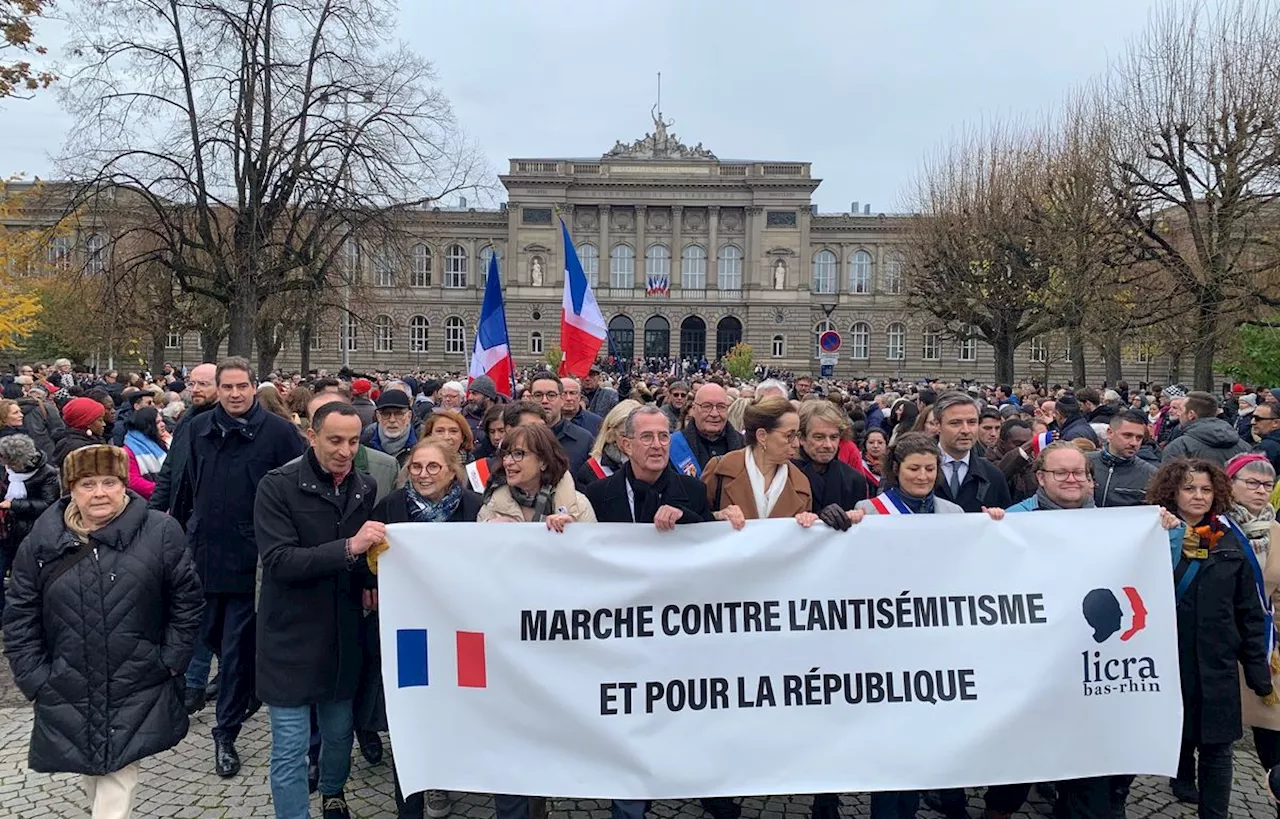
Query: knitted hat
<point x="1237" y="388"/>
<point x="80" y="413"/>
<point x="1174" y="391"/>
<point x="483" y="385"/>
<point x="88" y="461"/>
<point x="1067" y="404"/>
<point x="361" y="386"/>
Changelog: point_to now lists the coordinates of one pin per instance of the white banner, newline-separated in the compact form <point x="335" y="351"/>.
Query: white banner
<point x="911" y="652"/>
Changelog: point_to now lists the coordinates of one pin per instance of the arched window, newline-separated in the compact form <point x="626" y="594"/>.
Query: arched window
<point x="896" y="341"/>
<point x="657" y="268"/>
<point x="455" y="336"/>
<point x="931" y="344"/>
<point x="693" y="339"/>
<point x="729" y="268"/>
<point x="421" y="266"/>
<point x="352" y="334"/>
<point x="95" y="254"/>
<point x="383" y="334"/>
<point x="384" y="268"/>
<point x="535" y="343"/>
<point x="860" y="272"/>
<point x="693" y="268"/>
<point x="860" y="341"/>
<point x="779" y="346"/>
<point x="482" y="275"/>
<point x="455" y="266"/>
<point x="728" y="333"/>
<point x="824" y="272"/>
<point x="892" y="279"/>
<point x="589" y="256"/>
<point x="657" y="337"/>
<point x="622" y="267"/>
<point x="622" y="336"/>
<point x="419" y="334"/>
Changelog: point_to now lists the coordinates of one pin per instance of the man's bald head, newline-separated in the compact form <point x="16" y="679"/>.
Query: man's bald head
<point x="710" y="409"/>
<point x="202" y="381"/>
<point x="325" y="398"/>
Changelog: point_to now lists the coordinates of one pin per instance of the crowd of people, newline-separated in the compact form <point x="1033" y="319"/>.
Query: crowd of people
<point x="154" y="523"/>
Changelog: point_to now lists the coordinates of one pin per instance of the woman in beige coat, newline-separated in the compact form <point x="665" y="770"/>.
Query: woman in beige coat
<point x="533" y="484"/>
<point x="1252" y="479"/>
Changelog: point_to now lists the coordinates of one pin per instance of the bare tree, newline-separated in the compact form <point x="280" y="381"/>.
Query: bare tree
<point x="1193" y="104"/>
<point x="258" y="135"/>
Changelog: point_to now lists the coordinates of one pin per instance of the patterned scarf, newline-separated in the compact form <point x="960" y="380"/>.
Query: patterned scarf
<point x="539" y="502"/>
<point x="1199" y="541"/>
<point x="425" y="510"/>
<point x="1255" y="527"/>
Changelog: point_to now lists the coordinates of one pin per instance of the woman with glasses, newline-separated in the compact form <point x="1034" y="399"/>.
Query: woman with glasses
<point x="1223" y="619"/>
<point x="607" y="456"/>
<point x="533" y="484"/>
<point x="433" y="490"/>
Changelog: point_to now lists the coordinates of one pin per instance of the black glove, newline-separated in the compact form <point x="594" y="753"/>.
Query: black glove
<point x="834" y="516"/>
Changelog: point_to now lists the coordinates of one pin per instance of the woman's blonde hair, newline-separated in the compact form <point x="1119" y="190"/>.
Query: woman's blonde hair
<point x="468" y="440"/>
<point x="451" y="458"/>
<point x="737" y="412"/>
<point x="611" y="427"/>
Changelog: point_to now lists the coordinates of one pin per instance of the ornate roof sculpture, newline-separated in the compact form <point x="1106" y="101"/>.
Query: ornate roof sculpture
<point x="661" y="144"/>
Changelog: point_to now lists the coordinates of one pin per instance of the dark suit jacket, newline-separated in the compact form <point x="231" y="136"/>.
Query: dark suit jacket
<point x="609" y="498"/>
<point x="983" y="485"/>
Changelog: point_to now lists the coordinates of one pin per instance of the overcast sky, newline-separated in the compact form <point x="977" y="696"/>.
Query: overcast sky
<point x="863" y="89"/>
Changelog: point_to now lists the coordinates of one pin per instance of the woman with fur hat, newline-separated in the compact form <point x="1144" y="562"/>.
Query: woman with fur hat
<point x="104" y="608"/>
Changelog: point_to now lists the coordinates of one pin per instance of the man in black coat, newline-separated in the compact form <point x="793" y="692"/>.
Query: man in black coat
<point x="172" y="493"/>
<point x="709" y="435"/>
<point x="832" y="480"/>
<point x="966" y="479"/>
<point x="547" y="389"/>
<point x="231" y="447"/>
<point x="647" y="489"/>
<point x="312" y="520"/>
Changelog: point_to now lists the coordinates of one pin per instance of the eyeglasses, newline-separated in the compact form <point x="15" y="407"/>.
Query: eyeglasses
<point x="538" y="396"/>
<point x="516" y="455"/>
<point x="793" y="435"/>
<point x="1063" y="474"/>
<point x="430" y="470"/>
<point x="679" y="395"/>
<point x="706" y="406"/>
<point x="651" y="438"/>
<point x="1258" y="419"/>
<point x="1254" y="485"/>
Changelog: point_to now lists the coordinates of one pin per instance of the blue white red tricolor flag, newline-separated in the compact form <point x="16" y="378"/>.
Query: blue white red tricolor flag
<point x="582" y="327"/>
<point x="1040" y="442"/>
<point x="492" y="353"/>
<point x="659" y="285"/>
<point x="416" y="655"/>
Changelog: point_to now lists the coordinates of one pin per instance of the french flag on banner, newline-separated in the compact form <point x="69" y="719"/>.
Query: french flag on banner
<point x="582" y="327"/>
<point x="414" y="663"/>
<point x="492" y="353"/>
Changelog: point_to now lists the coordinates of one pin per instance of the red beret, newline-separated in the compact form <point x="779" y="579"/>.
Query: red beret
<point x="80" y="413"/>
<point x="361" y="386"/>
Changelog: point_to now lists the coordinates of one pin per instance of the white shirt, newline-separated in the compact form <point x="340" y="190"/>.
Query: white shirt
<point x="962" y="464"/>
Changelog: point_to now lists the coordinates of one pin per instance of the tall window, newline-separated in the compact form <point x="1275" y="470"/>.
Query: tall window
<point x="455" y="266"/>
<point x="421" y="266"/>
<point x="1067" y="355"/>
<point x="860" y="272"/>
<point x="535" y="343"/>
<point x="779" y="347"/>
<point x="693" y="268"/>
<point x="657" y="263"/>
<point x="589" y="255"/>
<point x="59" y="256"/>
<point x="353" y="334"/>
<point x="931" y="349"/>
<point x="95" y="254"/>
<point x="967" y="347"/>
<point x="824" y="272"/>
<point x="860" y="341"/>
<point x="1038" y="353"/>
<point x="892" y="278"/>
<point x="351" y="260"/>
<point x="419" y="334"/>
<point x="455" y="336"/>
<point x="383" y="334"/>
<point x="482" y="275"/>
<point x="622" y="267"/>
<point x="1142" y="353"/>
<point x="729" y="268"/>
<point x="173" y="340"/>
<point x="384" y="269"/>
<point x="316" y="342"/>
<point x="896" y="342"/>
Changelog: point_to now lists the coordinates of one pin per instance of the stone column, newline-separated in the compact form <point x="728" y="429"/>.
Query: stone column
<point x="713" y="251"/>
<point x="641" y="280"/>
<point x="751" y="275"/>
<point x="842" y="268"/>
<point x="604" y="262"/>
<point x="805" y="250"/>
<point x="511" y="274"/>
<point x="677" y="255"/>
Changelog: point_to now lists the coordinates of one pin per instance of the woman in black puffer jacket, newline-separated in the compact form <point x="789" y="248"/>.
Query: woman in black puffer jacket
<point x="104" y="607"/>
<point x="30" y="486"/>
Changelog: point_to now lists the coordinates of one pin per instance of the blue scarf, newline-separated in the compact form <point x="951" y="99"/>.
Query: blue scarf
<point x="425" y="510"/>
<point x="149" y="454"/>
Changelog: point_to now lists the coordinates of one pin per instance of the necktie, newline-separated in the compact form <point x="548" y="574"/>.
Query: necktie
<point x="955" y="479"/>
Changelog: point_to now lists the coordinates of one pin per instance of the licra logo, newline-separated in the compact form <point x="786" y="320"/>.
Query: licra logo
<point x="1106" y="617"/>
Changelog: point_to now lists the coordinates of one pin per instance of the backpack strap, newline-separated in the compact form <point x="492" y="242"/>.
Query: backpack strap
<point x="53" y="569"/>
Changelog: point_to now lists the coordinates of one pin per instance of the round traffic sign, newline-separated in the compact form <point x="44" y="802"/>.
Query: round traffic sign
<point x="829" y="341"/>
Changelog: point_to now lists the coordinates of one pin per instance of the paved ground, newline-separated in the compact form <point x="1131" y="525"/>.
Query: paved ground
<point x="181" y="784"/>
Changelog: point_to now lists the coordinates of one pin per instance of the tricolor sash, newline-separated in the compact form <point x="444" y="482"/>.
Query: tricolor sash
<point x="478" y="474"/>
<point x="888" y="503"/>
<point x="682" y="457"/>
<point x="600" y="470"/>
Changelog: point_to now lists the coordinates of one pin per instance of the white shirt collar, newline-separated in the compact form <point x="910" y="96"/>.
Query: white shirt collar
<point x="946" y="458"/>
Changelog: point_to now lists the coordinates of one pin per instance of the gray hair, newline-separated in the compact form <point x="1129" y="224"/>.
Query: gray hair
<point x="772" y="384"/>
<point x="1111" y="397"/>
<point x="455" y="386"/>
<point x="1257" y="467"/>
<point x="629" y="428"/>
<point x="18" y="452"/>
<point x="951" y="400"/>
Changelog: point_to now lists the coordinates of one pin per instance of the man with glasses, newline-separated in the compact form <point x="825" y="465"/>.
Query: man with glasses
<point x="1266" y="428"/>
<point x="677" y="398"/>
<point x="1120" y="477"/>
<point x="647" y="489"/>
<point x="575" y="412"/>
<point x="547" y="389"/>
<point x="708" y="435"/>
<point x="393" y="431"/>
